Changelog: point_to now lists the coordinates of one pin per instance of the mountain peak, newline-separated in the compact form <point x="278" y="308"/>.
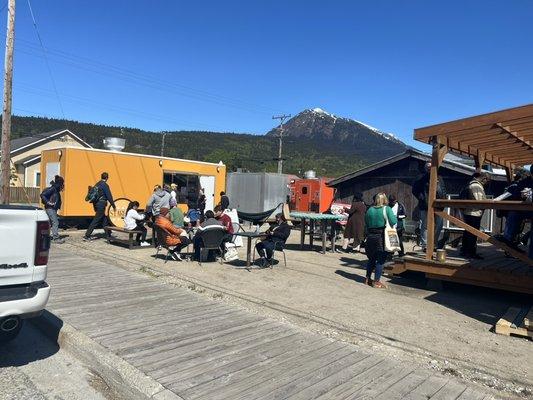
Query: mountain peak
<point x="318" y="124"/>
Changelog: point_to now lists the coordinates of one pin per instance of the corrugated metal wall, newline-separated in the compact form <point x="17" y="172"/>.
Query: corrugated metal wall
<point x="256" y="192"/>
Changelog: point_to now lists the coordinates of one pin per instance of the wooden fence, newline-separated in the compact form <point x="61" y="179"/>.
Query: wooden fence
<point x="24" y="195"/>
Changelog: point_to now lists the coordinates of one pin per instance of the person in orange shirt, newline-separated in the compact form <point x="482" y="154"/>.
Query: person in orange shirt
<point x="175" y="238"/>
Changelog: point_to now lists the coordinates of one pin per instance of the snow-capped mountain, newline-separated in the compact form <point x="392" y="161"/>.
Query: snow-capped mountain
<point x="365" y="140"/>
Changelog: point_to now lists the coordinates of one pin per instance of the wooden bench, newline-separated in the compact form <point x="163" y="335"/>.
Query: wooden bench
<point x="130" y="242"/>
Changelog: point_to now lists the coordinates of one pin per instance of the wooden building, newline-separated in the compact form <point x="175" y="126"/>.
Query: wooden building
<point x="396" y="175"/>
<point x="502" y="139"/>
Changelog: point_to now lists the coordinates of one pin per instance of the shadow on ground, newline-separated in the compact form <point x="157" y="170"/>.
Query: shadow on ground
<point x="30" y="345"/>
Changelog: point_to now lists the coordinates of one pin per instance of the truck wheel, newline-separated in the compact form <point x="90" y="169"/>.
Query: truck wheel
<point x="10" y="328"/>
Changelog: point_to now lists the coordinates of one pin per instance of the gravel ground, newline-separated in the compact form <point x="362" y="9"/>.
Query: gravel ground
<point x="447" y="330"/>
<point x="34" y="368"/>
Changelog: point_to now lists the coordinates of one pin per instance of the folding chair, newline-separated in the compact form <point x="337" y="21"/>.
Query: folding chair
<point x="212" y="240"/>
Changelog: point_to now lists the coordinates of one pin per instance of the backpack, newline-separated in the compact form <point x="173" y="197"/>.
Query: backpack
<point x="93" y="194"/>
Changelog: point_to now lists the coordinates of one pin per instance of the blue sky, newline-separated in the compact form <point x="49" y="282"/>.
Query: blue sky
<point x="231" y="65"/>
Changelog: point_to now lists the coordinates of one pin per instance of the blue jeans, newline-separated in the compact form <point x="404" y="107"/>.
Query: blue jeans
<point x="512" y="225"/>
<point x="54" y="221"/>
<point x="423" y="224"/>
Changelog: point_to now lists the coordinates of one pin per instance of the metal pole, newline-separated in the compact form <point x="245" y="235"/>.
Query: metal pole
<point x="5" y="167"/>
<point x="163" y="144"/>
<point x="280" y="136"/>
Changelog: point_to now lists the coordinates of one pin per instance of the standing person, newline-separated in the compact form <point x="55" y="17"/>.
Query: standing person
<point x="175" y="238"/>
<point x="51" y="198"/>
<point x="133" y="221"/>
<point x="374" y="247"/>
<point x="175" y="214"/>
<point x="160" y="198"/>
<point x="173" y="188"/>
<point x="472" y="216"/>
<point x="202" y="200"/>
<point x="399" y="211"/>
<point x="224" y="200"/>
<point x="421" y="191"/>
<point x="99" y="204"/>
<point x="355" y="226"/>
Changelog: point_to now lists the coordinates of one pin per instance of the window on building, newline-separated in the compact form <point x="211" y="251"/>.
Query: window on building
<point x="37" y="182"/>
<point x="304" y="189"/>
<point x="188" y="186"/>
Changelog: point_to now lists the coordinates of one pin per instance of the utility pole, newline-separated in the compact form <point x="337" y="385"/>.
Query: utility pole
<point x="282" y="119"/>
<point x="163" y="143"/>
<point x="5" y="167"/>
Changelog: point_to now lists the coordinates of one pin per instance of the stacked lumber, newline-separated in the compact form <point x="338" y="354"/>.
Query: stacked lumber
<point x="516" y="322"/>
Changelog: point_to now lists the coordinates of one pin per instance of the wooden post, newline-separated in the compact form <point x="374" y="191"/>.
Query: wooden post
<point x="5" y="167"/>
<point x="479" y="159"/>
<point x="437" y="156"/>
<point x="509" y="174"/>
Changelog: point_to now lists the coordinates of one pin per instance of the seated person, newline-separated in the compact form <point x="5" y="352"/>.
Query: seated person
<point x="277" y="235"/>
<point x="175" y="238"/>
<point x="209" y="223"/>
<point x="133" y="221"/>
<point x="194" y="216"/>
<point x="175" y="213"/>
<point x="225" y="220"/>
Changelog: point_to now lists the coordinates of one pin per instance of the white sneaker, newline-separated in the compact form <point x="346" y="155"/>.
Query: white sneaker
<point x="144" y="244"/>
<point x="176" y="257"/>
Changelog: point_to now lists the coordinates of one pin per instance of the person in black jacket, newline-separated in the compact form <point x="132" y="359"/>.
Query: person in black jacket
<point x="421" y="191"/>
<point x="276" y="238"/>
<point x="224" y="201"/>
<point x="99" y="205"/>
<point x="51" y="198"/>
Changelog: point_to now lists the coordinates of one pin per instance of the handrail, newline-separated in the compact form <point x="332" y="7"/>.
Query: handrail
<point x="484" y="204"/>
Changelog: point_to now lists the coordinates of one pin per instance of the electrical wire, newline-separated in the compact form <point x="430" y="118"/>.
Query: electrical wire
<point x="47" y="63"/>
<point x="88" y="64"/>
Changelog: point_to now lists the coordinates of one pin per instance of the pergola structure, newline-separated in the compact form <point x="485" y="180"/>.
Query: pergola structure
<point x="503" y="139"/>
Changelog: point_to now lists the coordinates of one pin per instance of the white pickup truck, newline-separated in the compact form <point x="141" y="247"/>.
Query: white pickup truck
<point x="24" y="246"/>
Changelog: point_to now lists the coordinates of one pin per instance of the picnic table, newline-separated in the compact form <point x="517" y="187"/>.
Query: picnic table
<point x="324" y="220"/>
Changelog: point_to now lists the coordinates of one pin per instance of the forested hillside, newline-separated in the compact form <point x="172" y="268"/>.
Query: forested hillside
<point x="251" y="152"/>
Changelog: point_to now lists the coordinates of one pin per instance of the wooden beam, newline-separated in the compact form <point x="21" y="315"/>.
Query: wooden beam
<point x="510" y="132"/>
<point x="472" y="122"/>
<point x="479" y="159"/>
<point x="484" y="205"/>
<point x="437" y="155"/>
<point x="509" y="174"/>
<point x="487" y="238"/>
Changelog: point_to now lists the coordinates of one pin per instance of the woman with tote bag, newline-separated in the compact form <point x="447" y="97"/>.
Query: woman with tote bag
<point x="377" y="218"/>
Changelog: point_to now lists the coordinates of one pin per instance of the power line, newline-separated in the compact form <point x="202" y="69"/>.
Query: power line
<point x="46" y="61"/>
<point x="131" y="76"/>
<point x="76" y="99"/>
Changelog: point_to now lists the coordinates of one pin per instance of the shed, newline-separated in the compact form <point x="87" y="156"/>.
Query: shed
<point x="396" y="175"/>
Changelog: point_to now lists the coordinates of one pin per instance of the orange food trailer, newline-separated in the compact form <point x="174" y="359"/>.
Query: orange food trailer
<point x="311" y="194"/>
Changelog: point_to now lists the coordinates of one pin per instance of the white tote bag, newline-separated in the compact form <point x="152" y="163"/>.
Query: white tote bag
<point x="392" y="240"/>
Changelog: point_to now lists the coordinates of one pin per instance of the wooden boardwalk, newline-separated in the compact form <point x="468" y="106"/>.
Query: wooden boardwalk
<point x="204" y="349"/>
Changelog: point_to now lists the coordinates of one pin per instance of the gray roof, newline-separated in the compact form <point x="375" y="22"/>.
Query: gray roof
<point x="20" y="143"/>
<point x="449" y="162"/>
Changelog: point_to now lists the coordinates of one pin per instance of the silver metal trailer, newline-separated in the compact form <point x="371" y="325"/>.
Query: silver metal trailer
<point x="257" y="191"/>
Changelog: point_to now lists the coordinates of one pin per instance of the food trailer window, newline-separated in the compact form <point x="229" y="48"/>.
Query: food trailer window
<point x="188" y="186"/>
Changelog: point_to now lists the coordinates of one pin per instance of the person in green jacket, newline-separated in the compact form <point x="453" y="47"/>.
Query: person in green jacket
<point x="374" y="247"/>
<point x="176" y="215"/>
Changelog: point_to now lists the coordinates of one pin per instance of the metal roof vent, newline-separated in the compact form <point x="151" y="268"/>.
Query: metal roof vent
<point x="114" y="143"/>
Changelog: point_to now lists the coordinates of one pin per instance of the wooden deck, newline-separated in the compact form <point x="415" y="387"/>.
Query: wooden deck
<point x="495" y="270"/>
<point x="205" y="349"/>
